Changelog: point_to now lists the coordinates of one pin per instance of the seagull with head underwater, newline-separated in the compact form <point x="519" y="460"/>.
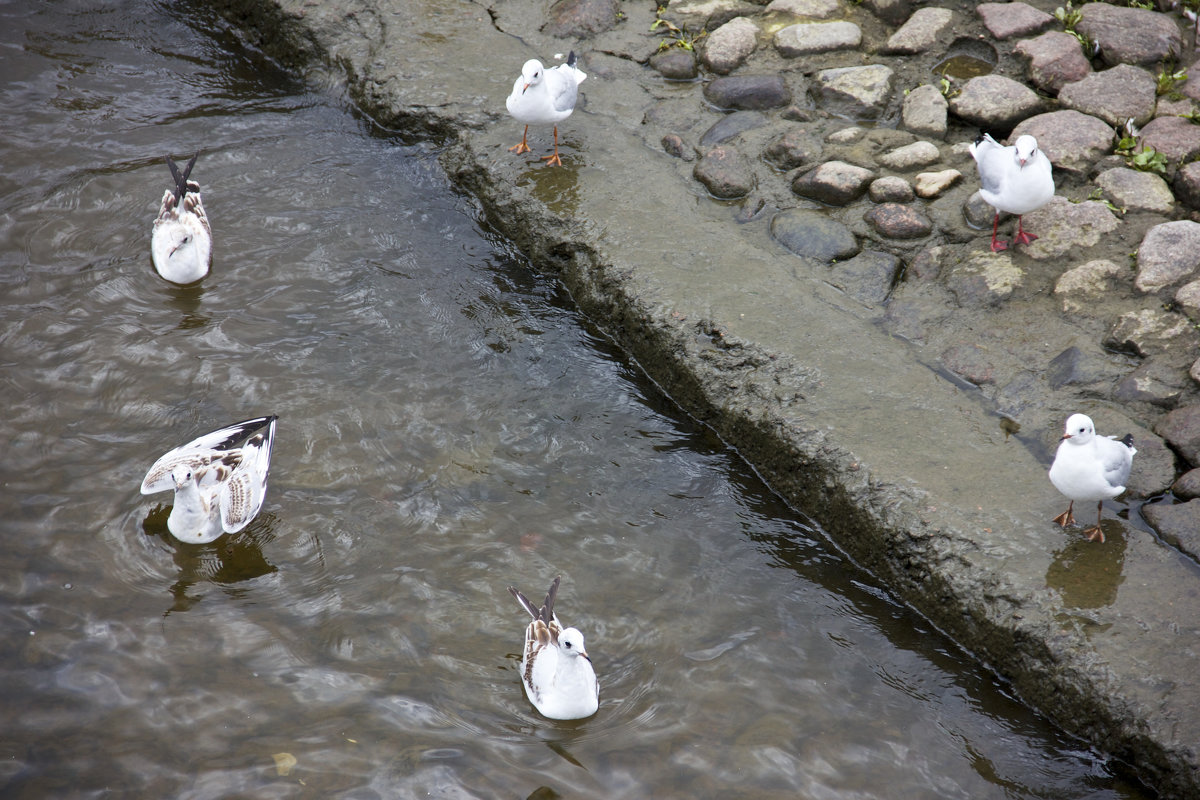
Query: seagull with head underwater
<point x="181" y="244"/>
<point x="219" y="480"/>
<point x="555" y="668"/>
<point x="1090" y="467"/>
<point x="1016" y="179"/>
<point x="543" y="97"/>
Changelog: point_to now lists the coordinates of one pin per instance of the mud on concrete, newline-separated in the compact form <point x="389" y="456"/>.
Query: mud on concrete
<point x="909" y="405"/>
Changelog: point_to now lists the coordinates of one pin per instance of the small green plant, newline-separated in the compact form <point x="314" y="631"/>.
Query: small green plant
<point x="1098" y="195"/>
<point x="1148" y="160"/>
<point x="1167" y="80"/>
<point x="1068" y="16"/>
<point x="674" y="36"/>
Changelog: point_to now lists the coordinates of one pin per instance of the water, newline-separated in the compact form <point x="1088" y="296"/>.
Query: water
<point x="448" y="425"/>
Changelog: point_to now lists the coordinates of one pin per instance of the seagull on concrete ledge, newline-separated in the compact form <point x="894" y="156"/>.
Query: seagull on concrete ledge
<point x="1016" y="179"/>
<point x="544" y="96"/>
<point x="1090" y="467"/>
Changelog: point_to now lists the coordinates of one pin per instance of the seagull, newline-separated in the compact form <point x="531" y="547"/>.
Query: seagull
<point x="1015" y="179"/>
<point x="555" y="668"/>
<point x="543" y="96"/>
<point x="219" y="480"/>
<point x="181" y="244"/>
<point x="1090" y="467"/>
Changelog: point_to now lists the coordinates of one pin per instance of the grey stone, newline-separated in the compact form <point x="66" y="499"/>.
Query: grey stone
<point x="995" y="102"/>
<point x="1006" y="20"/>
<point x="724" y="172"/>
<point x="748" y="92"/>
<point x="1063" y="227"/>
<point x="910" y="156"/>
<point x="834" y="183"/>
<point x="855" y="92"/>
<point x="1081" y="285"/>
<point x="813" y="235"/>
<point x="1149" y="332"/>
<point x="920" y="32"/>
<point x="808" y="9"/>
<point x="1153" y="382"/>
<point x="924" y="112"/>
<point x="672" y="144"/>
<point x="1187" y="300"/>
<point x="1181" y="429"/>
<point x="893" y="12"/>
<point x="1114" y="95"/>
<point x="675" y="64"/>
<point x="1130" y="35"/>
<point x="1074" y="367"/>
<point x="1187" y="185"/>
<point x="581" y="18"/>
<point x="708" y="15"/>
<point x="729" y="45"/>
<point x="979" y="214"/>
<point x="1177" y="523"/>
<point x="970" y="361"/>
<point x="1073" y="141"/>
<point x="1055" y="59"/>
<point x="794" y="148"/>
<point x="897" y="221"/>
<point x="1188" y="485"/>
<point x="732" y="125"/>
<point x="1155" y="467"/>
<point x="1169" y="253"/>
<point x="1136" y="191"/>
<point x="1174" y="137"/>
<point x="806" y="38"/>
<point x="984" y="279"/>
<point x="932" y="184"/>
<point x="867" y="277"/>
<point x="890" y="189"/>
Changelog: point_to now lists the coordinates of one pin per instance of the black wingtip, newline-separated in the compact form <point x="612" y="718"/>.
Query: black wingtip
<point x="181" y="180"/>
<point x="1127" y="440"/>
<point x="571" y="59"/>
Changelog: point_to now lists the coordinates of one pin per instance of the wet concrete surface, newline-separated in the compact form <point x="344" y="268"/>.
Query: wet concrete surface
<point x="916" y="474"/>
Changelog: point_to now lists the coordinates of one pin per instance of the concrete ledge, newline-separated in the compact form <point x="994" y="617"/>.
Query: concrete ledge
<point x="912" y="474"/>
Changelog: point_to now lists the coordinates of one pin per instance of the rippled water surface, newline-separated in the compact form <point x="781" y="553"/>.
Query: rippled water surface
<point x="448" y="425"/>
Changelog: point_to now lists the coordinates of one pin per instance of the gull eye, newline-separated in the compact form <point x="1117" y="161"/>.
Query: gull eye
<point x="567" y="645"/>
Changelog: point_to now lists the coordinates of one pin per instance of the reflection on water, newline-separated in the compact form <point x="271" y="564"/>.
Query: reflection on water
<point x="448" y="426"/>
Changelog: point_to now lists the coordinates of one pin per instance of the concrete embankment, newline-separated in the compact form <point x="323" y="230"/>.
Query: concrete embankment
<point x="921" y="477"/>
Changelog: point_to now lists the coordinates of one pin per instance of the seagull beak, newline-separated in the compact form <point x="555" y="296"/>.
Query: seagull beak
<point x="583" y="654"/>
<point x="1066" y="436"/>
<point x="523" y="88"/>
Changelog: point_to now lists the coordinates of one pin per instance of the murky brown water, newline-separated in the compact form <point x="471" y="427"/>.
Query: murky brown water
<point x="448" y="425"/>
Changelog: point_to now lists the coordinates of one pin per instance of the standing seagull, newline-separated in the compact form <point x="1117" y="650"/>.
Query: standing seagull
<point x="1090" y="467"/>
<point x="219" y="487"/>
<point x="555" y="669"/>
<point x="543" y="96"/>
<point x="181" y="245"/>
<point x="1015" y="179"/>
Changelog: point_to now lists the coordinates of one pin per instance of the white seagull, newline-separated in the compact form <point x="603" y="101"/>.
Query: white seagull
<point x="181" y="244"/>
<point x="544" y="96"/>
<point x="220" y="480"/>
<point x="1090" y="467"/>
<point x="1015" y="179"/>
<point x="555" y="668"/>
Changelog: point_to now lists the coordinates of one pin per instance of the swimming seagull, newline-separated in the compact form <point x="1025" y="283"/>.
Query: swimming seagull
<point x="555" y="668"/>
<point x="543" y="96"/>
<point x="181" y="244"/>
<point x="1090" y="467"/>
<point x="219" y="480"/>
<point x="1015" y="179"/>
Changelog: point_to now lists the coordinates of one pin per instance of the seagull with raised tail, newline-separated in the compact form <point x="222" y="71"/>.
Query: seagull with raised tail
<point x="1016" y="179"/>
<point x="181" y="242"/>
<point x="219" y="480"/>
<point x="555" y="668"/>
<point x="1089" y="467"/>
<point x="543" y="96"/>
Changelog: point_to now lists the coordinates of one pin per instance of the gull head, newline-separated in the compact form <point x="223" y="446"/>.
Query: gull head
<point x="1026" y="148"/>
<point x="180" y="249"/>
<point x="1079" y="429"/>
<point x="570" y="642"/>
<point x="182" y="477"/>
<point x="531" y="73"/>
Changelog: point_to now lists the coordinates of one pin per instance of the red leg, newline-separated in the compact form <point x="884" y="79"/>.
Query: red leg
<point x="1095" y="534"/>
<point x="997" y="246"/>
<point x="553" y="160"/>
<point x="521" y="147"/>
<point x="1066" y="518"/>
<point x="1022" y="237"/>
